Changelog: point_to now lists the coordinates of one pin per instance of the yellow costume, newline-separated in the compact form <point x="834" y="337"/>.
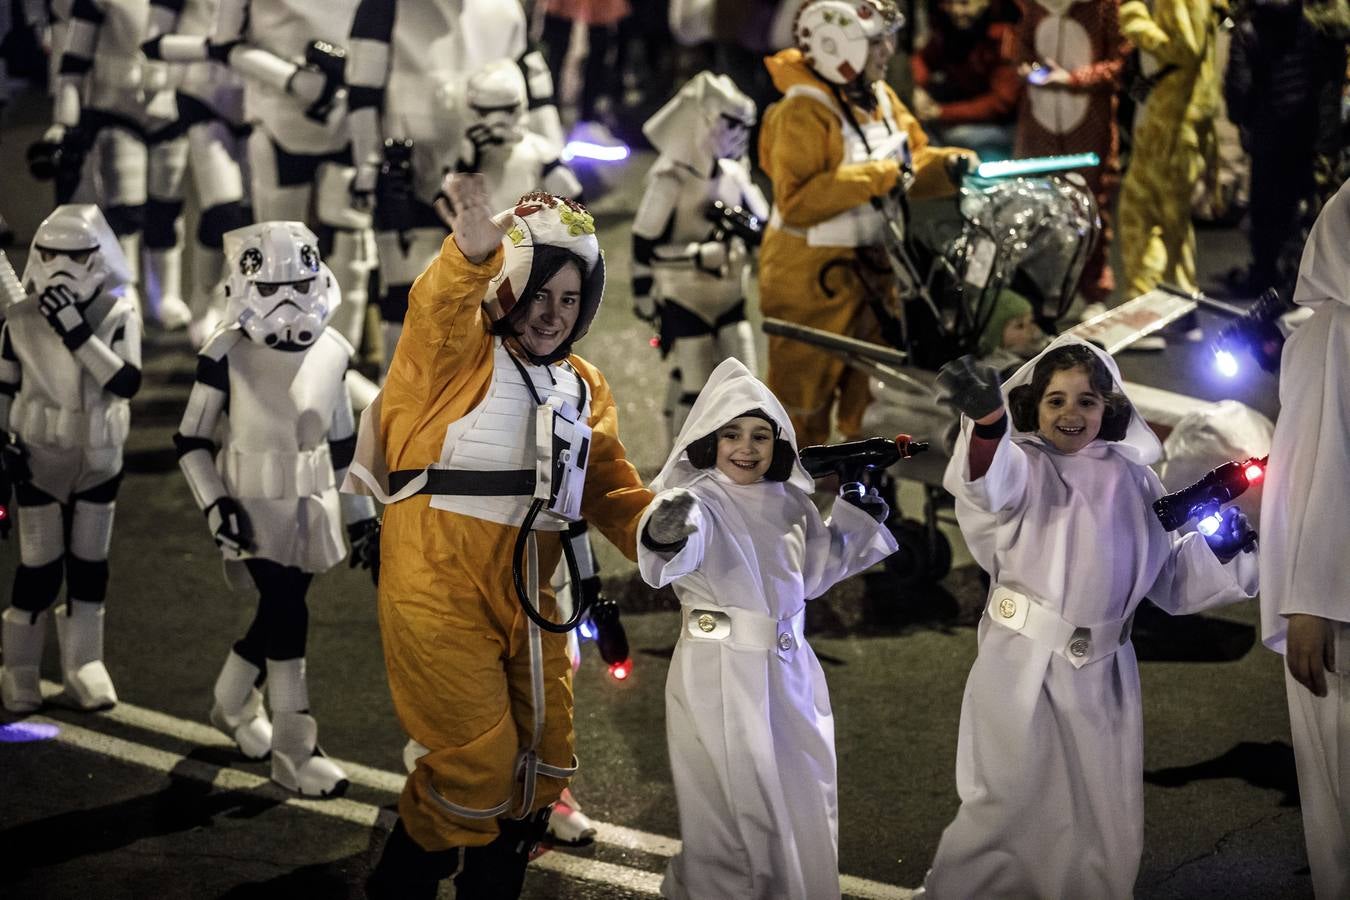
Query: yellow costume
<point x="456" y="642"/>
<point x="1174" y="140"/>
<point x="802" y="149"/>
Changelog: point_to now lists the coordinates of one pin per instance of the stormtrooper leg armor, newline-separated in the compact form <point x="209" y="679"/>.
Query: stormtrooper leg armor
<point x="238" y="707"/>
<point x="119" y="163"/>
<point x="297" y="762"/>
<point x="79" y="623"/>
<point x="37" y="583"/>
<point x="167" y="158"/>
<point x="215" y="151"/>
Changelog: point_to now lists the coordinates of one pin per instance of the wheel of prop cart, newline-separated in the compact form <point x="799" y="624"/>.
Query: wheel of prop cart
<point x="910" y="564"/>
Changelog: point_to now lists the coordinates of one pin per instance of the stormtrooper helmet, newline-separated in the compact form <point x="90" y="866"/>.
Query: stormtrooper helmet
<point x="277" y="289"/>
<point x="496" y="97"/>
<point x="76" y="247"/>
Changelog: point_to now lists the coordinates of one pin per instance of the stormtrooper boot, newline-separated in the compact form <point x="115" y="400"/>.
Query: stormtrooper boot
<point x="238" y="708"/>
<point x="297" y="762"/>
<point x="568" y="824"/>
<point x="165" y="288"/>
<point x="20" y="683"/>
<point x="79" y="629"/>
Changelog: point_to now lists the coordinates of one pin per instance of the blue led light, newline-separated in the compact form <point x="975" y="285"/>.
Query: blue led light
<point x="1226" y="363"/>
<point x="25" y="732"/>
<point x="588" y="150"/>
<point x="1209" y="524"/>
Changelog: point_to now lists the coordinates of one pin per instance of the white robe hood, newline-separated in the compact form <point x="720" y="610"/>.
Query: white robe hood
<point x="1304" y="566"/>
<point x="731" y="391"/>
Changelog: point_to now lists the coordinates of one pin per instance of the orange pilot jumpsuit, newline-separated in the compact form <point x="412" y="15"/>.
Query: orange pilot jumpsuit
<point x="456" y="642"/>
<point x="805" y="149"/>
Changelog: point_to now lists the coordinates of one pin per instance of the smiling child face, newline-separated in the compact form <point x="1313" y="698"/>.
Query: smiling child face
<point x="1070" y="411"/>
<point x="745" y="449"/>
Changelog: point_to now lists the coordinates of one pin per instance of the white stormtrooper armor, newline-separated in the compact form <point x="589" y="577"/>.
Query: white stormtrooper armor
<point x="687" y="271"/>
<point x="125" y="110"/>
<point x="70" y="359"/>
<point x="270" y="489"/>
<point x="211" y="112"/>
<point x="514" y="160"/>
<point x="406" y="69"/>
<point x="298" y="154"/>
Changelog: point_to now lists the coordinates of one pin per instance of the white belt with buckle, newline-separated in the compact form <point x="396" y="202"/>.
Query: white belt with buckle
<point x="744" y="628"/>
<point x="1078" y="644"/>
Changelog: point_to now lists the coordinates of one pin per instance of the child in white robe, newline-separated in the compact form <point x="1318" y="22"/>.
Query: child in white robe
<point x="1056" y="508"/>
<point x="748" y="716"/>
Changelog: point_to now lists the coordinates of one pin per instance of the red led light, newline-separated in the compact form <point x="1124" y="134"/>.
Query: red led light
<point x="620" y="670"/>
<point x="655" y="342"/>
<point x="4" y="513"/>
<point x="1253" y="473"/>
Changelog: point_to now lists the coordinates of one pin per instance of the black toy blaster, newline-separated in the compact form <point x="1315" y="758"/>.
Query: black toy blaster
<point x="852" y="459"/>
<point x="604" y="626"/>
<point x="1203" y="499"/>
<point x="60" y="161"/>
<point x="1257" y="331"/>
<point x="330" y="61"/>
<point x="394" y="207"/>
<point x="734" y="220"/>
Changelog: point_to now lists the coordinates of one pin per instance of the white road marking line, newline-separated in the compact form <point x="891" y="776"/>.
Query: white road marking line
<point x="392" y="782"/>
<point x="362" y="814"/>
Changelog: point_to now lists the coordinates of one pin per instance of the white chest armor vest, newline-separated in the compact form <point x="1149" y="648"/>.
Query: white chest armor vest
<point x="435" y="46"/>
<point x="862" y="225"/>
<point x="285" y="28"/>
<point x="684" y="282"/>
<point x="59" y="404"/>
<point x="499" y="434"/>
<point x="281" y="410"/>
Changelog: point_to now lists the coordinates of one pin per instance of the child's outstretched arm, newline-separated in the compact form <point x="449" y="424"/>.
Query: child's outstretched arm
<point x="671" y="537"/>
<point x="852" y="540"/>
<point x="986" y="469"/>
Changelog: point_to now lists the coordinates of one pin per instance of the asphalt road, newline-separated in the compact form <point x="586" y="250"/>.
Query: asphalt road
<point x="147" y="801"/>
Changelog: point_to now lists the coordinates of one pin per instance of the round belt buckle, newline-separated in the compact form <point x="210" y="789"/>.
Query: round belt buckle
<point x="1007" y="608"/>
<point x="785" y="641"/>
<point x="706" y="623"/>
<point x="1079" y="647"/>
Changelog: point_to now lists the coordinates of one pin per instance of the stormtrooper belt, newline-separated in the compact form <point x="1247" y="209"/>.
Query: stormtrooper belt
<point x="466" y="483"/>
<point x="1078" y="644"/>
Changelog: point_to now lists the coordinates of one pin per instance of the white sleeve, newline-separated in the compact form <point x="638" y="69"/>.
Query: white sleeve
<point x="1003" y="487"/>
<point x="849" y="542"/>
<point x="660" y="569"/>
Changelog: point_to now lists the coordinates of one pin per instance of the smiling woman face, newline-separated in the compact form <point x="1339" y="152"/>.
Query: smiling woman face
<point x="1070" y="411"/>
<point x="552" y="312"/>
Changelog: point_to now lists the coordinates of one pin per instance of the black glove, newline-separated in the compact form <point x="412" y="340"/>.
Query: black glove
<point x="229" y="525"/>
<point x="1233" y="536"/>
<point x="365" y="540"/>
<point x="57" y="302"/>
<point x="481" y="137"/>
<point x="869" y="502"/>
<point x="970" y="387"/>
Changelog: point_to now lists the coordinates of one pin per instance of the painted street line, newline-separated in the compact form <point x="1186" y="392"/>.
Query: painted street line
<point x="619" y="836"/>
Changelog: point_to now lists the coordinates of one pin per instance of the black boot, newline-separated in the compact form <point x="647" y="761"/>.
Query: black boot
<point x="406" y="871"/>
<point x="497" y="871"/>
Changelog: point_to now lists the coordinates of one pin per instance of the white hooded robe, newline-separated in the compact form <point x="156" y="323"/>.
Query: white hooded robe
<point x="750" y="729"/>
<point x="1304" y="564"/>
<point x="1049" y="762"/>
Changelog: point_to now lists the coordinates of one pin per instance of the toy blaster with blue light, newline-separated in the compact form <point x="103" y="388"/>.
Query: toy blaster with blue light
<point x="603" y="625"/>
<point x="1203" y="500"/>
<point x="1257" y="331"/>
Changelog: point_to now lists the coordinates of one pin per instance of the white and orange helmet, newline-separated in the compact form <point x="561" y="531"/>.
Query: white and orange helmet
<point x="834" y="35"/>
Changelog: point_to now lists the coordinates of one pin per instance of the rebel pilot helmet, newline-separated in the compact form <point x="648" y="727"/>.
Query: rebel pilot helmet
<point x="835" y="35"/>
<point x="277" y="289"/>
<point x="76" y="247"/>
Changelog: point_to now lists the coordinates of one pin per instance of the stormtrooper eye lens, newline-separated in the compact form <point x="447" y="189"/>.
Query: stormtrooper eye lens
<point x="47" y="255"/>
<point x="302" y="287"/>
<point x="80" y="256"/>
<point x="266" y="289"/>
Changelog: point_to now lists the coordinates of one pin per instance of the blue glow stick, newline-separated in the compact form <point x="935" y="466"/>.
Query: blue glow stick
<point x="1036" y="165"/>
<point x="587" y="150"/>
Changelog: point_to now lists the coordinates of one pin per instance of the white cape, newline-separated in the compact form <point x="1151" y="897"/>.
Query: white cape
<point x="1049" y="761"/>
<point x="750" y="729"/>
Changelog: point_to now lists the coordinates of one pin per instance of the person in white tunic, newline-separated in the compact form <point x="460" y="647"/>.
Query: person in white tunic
<point x="267" y="436"/>
<point x="1305" y="603"/>
<point x="748" y="714"/>
<point x="1049" y="760"/>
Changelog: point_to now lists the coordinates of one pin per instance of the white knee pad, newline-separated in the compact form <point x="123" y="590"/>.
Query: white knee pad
<point x="42" y="537"/>
<point x="91" y="530"/>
